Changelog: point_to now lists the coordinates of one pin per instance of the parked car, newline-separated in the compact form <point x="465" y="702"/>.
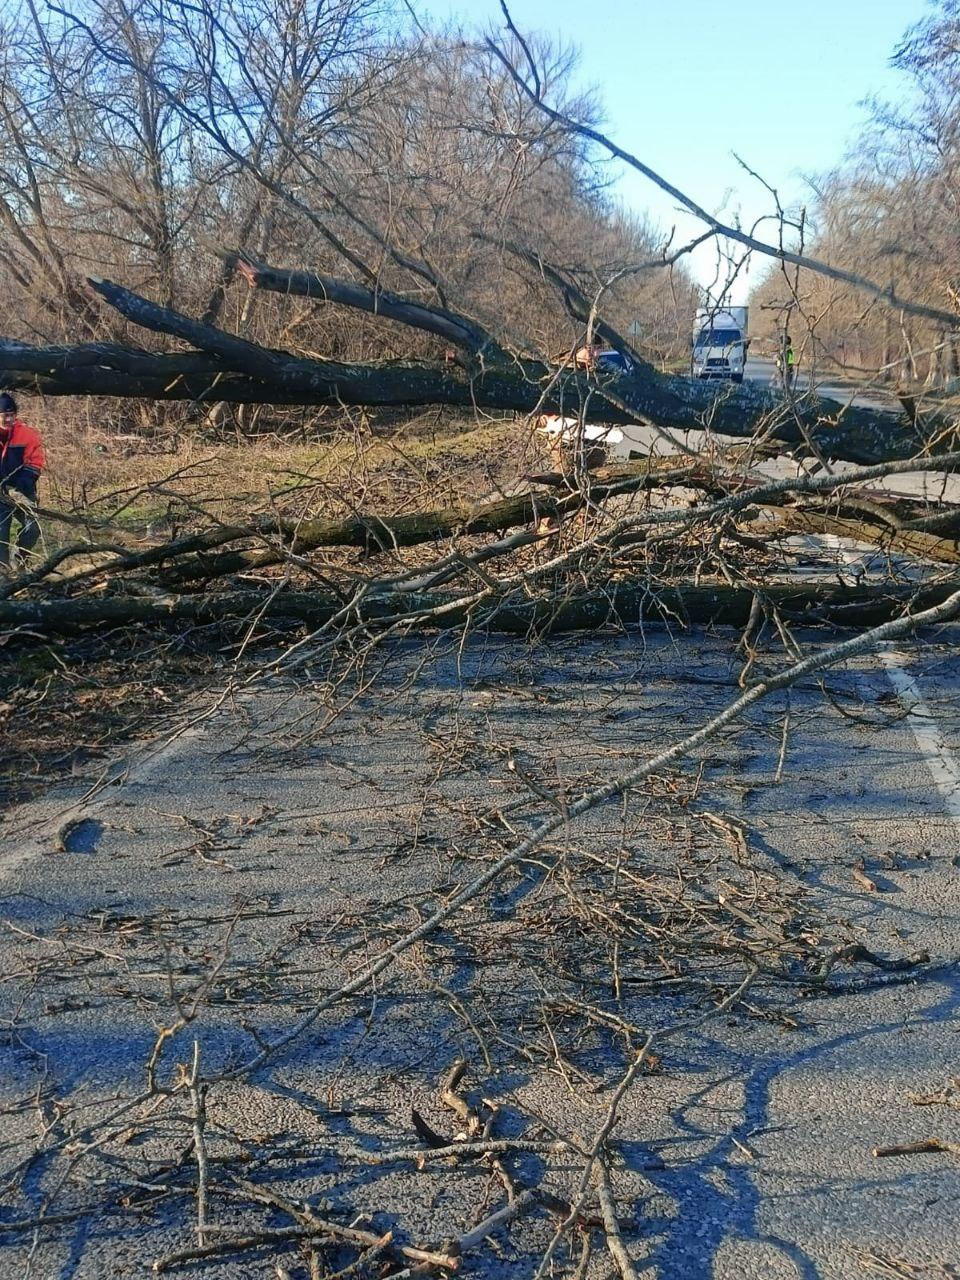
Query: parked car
<point x="614" y="362"/>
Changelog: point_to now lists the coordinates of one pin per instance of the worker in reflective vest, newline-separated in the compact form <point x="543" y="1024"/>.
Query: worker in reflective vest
<point x="787" y="362"/>
<point x="21" y="462"/>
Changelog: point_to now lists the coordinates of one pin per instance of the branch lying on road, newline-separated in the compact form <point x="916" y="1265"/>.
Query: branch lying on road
<point x="907" y="542"/>
<point x="620" y="604"/>
<point x="868" y="516"/>
<point x="946" y="609"/>
<point x="375" y="533"/>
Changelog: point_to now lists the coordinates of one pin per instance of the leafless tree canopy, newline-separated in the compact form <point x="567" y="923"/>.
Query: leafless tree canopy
<point x="148" y="142"/>
<point x="371" y="262"/>
<point x="889" y="212"/>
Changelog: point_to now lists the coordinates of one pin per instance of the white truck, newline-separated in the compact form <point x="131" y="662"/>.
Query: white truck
<point x="720" y="343"/>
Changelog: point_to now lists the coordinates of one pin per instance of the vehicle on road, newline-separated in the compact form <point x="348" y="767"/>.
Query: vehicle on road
<point x="594" y="444"/>
<point x="720" y="343"/>
<point x="614" y="362"/>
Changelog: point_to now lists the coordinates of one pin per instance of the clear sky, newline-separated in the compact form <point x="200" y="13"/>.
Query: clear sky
<point x="686" y="82"/>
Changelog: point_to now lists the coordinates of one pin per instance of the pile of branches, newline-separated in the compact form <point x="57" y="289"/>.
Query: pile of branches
<point x="674" y="907"/>
<point x="687" y="534"/>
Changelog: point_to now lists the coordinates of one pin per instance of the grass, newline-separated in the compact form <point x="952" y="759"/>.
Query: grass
<point x="150" y="486"/>
<point x="64" y="704"/>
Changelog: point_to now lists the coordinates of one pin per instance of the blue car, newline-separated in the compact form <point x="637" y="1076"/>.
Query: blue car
<point x="614" y="362"/>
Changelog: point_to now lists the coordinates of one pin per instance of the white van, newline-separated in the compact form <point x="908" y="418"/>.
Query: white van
<point x="720" y="343"/>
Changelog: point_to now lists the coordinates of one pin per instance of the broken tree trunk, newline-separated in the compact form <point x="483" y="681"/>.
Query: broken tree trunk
<point x="227" y="368"/>
<point x="622" y="604"/>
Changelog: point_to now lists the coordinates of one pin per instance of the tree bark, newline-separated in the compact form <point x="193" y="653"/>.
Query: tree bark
<point x="842" y="432"/>
<point x="623" y="604"/>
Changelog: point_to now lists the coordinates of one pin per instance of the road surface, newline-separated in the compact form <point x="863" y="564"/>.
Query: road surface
<point x="763" y="371"/>
<point x="213" y="874"/>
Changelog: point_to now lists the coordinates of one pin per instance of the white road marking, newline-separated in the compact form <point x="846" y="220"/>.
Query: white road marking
<point x="941" y="762"/>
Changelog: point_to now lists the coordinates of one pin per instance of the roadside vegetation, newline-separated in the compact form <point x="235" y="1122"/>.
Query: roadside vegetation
<point x="348" y="362"/>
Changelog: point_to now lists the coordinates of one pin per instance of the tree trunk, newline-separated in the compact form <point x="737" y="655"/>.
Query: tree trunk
<point x="622" y="604"/>
<point x="847" y="433"/>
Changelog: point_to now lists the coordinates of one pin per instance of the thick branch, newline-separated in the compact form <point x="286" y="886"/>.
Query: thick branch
<point x="623" y="604"/>
<point x="906" y="542"/>
<point x="308" y="284"/>
<point x="235" y="353"/>
<point x="233" y="369"/>
<point x="845" y="432"/>
<point x="375" y="533"/>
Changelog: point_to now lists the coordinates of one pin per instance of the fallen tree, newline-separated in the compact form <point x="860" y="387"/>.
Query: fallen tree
<point x="224" y="368"/>
<point x="482" y="372"/>
<point x="688" y="540"/>
<point x="622" y="604"/>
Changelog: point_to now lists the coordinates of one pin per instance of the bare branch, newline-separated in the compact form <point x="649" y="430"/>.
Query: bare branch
<point x="885" y="294"/>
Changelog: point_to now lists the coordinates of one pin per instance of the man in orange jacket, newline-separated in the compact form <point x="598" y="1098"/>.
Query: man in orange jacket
<point x="21" y="461"/>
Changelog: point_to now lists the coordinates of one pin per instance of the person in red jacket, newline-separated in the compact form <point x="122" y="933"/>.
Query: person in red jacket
<point x="21" y="461"/>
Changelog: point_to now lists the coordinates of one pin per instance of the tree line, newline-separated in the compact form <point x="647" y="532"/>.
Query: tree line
<point x="890" y="211"/>
<point x="158" y="142"/>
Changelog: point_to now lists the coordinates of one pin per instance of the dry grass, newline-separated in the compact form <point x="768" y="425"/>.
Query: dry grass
<point x="65" y="702"/>
<point x="143" y="484"/>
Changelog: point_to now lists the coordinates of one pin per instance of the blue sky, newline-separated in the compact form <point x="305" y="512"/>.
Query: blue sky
<point x="686" y="82"/>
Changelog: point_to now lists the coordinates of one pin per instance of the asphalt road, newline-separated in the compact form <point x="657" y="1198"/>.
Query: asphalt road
<point x="926" y="485"/>
<point x="249" y="840"/>
<point x="763" y="371"/>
